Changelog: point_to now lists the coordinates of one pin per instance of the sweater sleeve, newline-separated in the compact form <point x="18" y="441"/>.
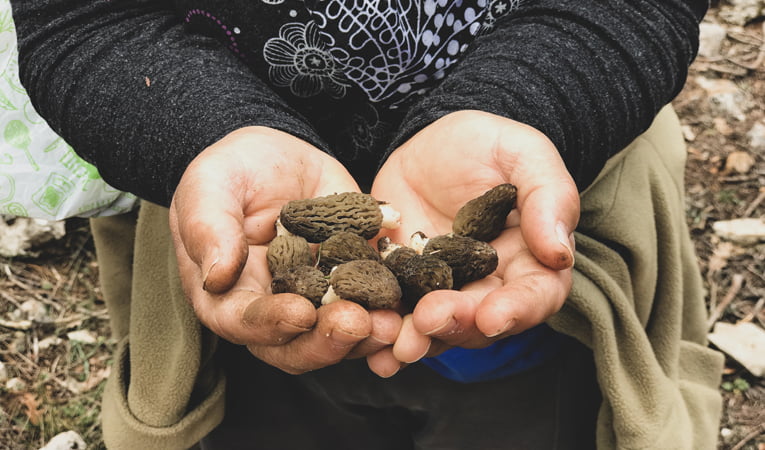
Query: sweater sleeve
<point x="590" y="75"/>
<point x="133" y="93"/>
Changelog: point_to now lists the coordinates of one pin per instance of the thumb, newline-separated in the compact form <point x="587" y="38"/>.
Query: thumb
<point x="548" y="202"/>
<point x="549" y="214"/>
<point x="207" y="223"/>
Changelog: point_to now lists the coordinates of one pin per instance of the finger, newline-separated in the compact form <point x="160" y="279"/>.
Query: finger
<point x="444" y="314"/>
<point x="207" y="221"/>
<point x="548" y="199"/>
<point x="449" y="317"/>
<point x="243" y="316"/>
<point x="531" y="293"/>
<point x="411" y="345"/>
<point x="385" y="327"/>
<point x="246" y="312"/>
<point x="340" y="326"/>
<point x="548" y="217"/>
<point x="384" y="363"/>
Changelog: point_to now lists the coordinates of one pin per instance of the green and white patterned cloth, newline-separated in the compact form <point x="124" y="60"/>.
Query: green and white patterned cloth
<point x="40" y="175"/>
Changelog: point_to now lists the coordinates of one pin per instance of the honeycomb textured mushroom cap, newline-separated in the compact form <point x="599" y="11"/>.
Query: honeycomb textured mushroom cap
<point x="366" y="282"/>
<point x="307" y="281"/>
<point x="344" y="247"/>
<point x="422" y="274"/>
<point x="288" y="251"/>
<point x="317" y="219"/>
<point x="483" y="218"/>
<point x="470" y="259"/>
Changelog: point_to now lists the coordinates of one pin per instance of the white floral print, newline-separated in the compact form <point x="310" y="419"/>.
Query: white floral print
<point x="497" y="9"/>
<point x="298" y="59"/>
<point x="394" y="49"/>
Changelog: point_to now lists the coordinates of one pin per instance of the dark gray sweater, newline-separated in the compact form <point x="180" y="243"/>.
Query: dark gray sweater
<point x="140" y="87"/>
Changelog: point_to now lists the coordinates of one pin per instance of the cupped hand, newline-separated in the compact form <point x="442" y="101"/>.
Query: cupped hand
<point x="222" y="217"/>
<point x="433" y="174"/>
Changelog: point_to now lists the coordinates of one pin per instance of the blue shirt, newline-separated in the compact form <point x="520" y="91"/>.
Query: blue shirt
<point x="505" y="357"/>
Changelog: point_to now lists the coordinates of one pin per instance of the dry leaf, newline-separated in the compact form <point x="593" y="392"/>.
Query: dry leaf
<point x="720" y="255"/>
<point x="722" y="127"/>
<point x="739" y="162"/>
<point x="31" y="407"/>
<point x="93" y="381"/>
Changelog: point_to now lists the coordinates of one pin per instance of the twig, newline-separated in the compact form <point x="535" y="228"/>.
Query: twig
<point x="10" y="299"/>
<point x="752" y="434"/>
<point x="21" y="325"/>
<point x="755" y="311"/>
<point x="728" y="70"/>
<point x="738" y="280"/>
<point x="752" y="206"/>
<point x="758" y="60"/>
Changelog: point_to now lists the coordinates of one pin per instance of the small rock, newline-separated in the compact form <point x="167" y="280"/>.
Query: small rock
<point x="757" y="137"/>
<point x="15" y="385"/>
<point x="722" y="127"/>
<point x="725" y="97"/>
<point x="744" y="342"/>
<point x="741" y="12"/>
<point x="688" y="133"/>
<point x="3" y="372"/>
<point x="24" y="234"/>
<point x="33" y="310"/>
<point x="84" y="336"/>
<point x="725" y="433"/>
<point x="745" y="231"/>
<point x="711" y="36"/>
<point x="48" y="342"/>
<point x="68" y="440"/>
<point x="739" y="162"/>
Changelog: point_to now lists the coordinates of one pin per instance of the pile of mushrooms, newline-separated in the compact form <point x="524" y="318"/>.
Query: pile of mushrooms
<point x="394" y="275"/>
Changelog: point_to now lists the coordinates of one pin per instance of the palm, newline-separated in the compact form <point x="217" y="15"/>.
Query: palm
<point x="432" y="175"/>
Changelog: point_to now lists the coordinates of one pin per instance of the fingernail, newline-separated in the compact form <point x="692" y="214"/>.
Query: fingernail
<point x="504" y="329"/>
<point x="290" y="328"/>
<point x="207" y="272"/>
<point x="380" y="341"/>
<point x="444" y="328"/>
<point x="344" y="338"/>
<point x="566" y="238"/>
<point x="419" y="357"/>
<point x="390" y="374"/>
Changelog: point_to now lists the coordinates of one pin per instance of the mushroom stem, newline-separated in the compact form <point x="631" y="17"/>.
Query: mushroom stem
<point x="391" y="218"/>
<point x="281" y="231"/>
<point x="418" y="241"/>
<point x="330" y="297"/>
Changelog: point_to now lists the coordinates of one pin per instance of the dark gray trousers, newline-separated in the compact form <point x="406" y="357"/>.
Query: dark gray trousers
<point x="553" y="406"/>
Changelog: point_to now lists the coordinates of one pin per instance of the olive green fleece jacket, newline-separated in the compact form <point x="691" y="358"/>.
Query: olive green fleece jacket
<point x="636" y="301"/>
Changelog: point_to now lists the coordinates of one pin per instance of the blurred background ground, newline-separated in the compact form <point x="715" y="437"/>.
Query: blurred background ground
<point x="54" y="333"/>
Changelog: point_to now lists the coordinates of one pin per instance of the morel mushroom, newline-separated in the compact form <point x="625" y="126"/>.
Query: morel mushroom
<point x="393" y="255"/>
<point x="344" y="247"/>
<point x="307" y="281"/>
<point x="416" y="274"/>
<point x="287" y="251"/>
<point x="317" y="219"/>
<point x="422" y="274"/>
<point x="470" y="259"/>
<point x="366" y="282"/>
<point x="483" y="218"/>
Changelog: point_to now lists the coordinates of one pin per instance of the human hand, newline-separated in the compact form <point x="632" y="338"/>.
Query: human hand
<point x="222" y="217"/>
<point x="431" y="176"/>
